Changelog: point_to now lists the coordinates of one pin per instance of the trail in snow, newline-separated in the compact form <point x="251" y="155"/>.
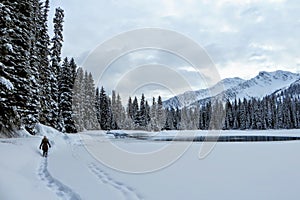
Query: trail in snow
<point x="62" y="191"/>
<point x="128" y="192"/>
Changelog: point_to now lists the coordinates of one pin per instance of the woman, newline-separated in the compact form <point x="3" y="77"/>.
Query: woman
<point x="44" y="145"/>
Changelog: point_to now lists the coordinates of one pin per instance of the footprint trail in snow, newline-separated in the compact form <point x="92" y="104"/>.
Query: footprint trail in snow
<point x="128" y="192"/>
<point x="62" y="191"/>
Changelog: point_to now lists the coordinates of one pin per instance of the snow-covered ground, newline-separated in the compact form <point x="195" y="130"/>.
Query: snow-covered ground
<point x="73" y="170"/>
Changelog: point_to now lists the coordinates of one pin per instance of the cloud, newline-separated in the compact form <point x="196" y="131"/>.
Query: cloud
<point x="266" y="47"/>
<point x="257" y="57"/>
<point x="242" y="37"/>
<point x="188" y="69"/>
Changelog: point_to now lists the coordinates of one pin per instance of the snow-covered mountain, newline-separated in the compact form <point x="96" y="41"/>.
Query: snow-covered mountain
<point x="292" y="90"/>
<point x="263" y="84"/>
<point x="191" y="97"/>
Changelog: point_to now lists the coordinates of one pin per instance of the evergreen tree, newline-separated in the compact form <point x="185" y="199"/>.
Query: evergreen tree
<point x="104" y="110"/>
<point x="243" y="114"/>
<point x="194" y="117"/>
<point x="55" y="65"/>
<point x="116" y="111"/>
<point x="153" y="119"/>
<point x="65" y="99"/>
<point x="97" y="104"/>
<point x="236" y="115"/>
<point x="121" y="111"/>
<point x="228" y="116"/>
<point x="19" y="29"/>
<point x="143" y="121"/>
<point x="89" y="115"/>
<point x="147" y="114"/>
<point x="8" y="60"/>
<point x="130" y="113"/>
<point x="217" y="115"/>
<point x="184" y="124"/>
<point x="135" y="111"/>
<point x="160" y="114"/>
<point x="78" y="98"/>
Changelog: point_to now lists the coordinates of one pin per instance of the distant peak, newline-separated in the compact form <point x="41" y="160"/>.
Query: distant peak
<point x="276" y="74"/>
<point x="263" y="73"/>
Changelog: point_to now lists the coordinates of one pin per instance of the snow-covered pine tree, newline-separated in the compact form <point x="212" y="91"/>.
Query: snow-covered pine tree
<point x="177" y="118"/>
<point x="114" y="111"/>
<point x="243" y="114"/>
<point x="121" y="115"/>
<point x="287" y="113"/>
<point x="170" y="119"/>
<point x="97" y="104"/>
<point x="129" y="108"/>
<point x="111" y="123"/>
<point x="228" y="115"/>
<point x="142" y="112"/>
<point x="65" y="99"/>
<point x="128" y="122"/>
<point x="118" y="112"/>
<point x="267" y="112"/>
<point x="153" y="121"/>
<point x="90" y="117"/>
<point x="148" y="118"/>
<point x="55" y="54"/>
<point x="19" y="29"/>
<point x="297" y="111"/>
<point x="184" y="124"/>
<point x="8" y="59"/>
<point x="236" y="115"/>
<point x="201" y="118"/>
<point x="35" y="27"/>
<point x="217" y="115"/>
<point x="104" y="110"/>
<point x="73" y="68"/>
<point x="78" y="98"/>
<point x="135" y="111"/>
<point x="294" y="122"/>
<point x="194" y="117"/>
<point x="160" y="114"/>
<point x="45" y="68"/>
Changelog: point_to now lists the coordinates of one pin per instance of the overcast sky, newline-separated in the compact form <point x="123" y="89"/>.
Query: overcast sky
<point x="242" y="37"/>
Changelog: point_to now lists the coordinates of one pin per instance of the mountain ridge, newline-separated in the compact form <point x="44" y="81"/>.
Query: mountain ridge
<point x="263" y="84"/>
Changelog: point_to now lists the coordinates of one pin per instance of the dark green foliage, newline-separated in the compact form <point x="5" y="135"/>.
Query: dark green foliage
<point x="65" y="99"/>
<point x="55" y="54"/>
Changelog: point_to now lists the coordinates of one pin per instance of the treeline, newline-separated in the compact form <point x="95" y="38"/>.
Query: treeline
<point x="277" y="111"/>
<point x="138" y="114"/>
<point x="281" y="111"/>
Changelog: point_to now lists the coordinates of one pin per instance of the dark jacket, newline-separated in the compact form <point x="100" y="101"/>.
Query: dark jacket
<point x="44" y="144"/>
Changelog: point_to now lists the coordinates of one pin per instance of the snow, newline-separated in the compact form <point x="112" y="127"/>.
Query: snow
<point x="265" y="83"/>
<point x="6" y="83"/>
<point x="191" y="96"/>
<point x="9" y="47"/>
<point x="239" y="170"/>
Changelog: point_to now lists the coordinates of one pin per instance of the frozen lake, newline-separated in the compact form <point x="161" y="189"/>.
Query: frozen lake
<point x="74" y="170"/>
